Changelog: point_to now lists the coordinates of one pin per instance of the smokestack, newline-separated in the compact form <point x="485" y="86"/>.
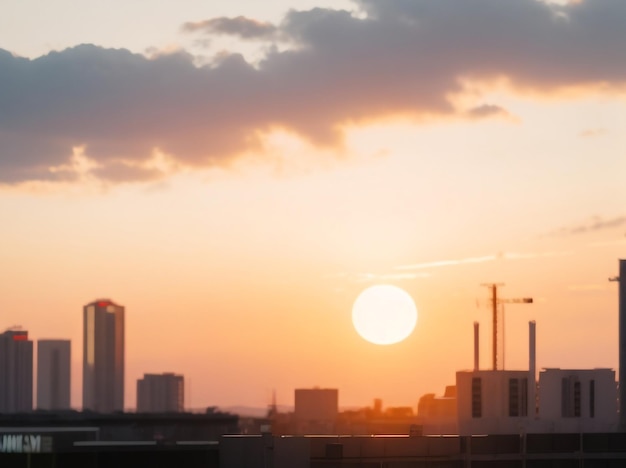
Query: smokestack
<point x="476" y="347"/>
<point x="621" y="280"/>
<point x="532" y="369"/>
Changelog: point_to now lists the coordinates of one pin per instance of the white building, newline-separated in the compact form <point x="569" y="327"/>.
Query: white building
<point x="494" y="402"/>
<point x="510" y="402"/>
<point x="578" y="400"/>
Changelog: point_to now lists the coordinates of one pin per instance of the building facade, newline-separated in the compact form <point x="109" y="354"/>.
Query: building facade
<point x="494" y="402"/>
<point x="103" y="356"/>
<point x="161" y="393"/>
<point x="578" y="400"/>
<point x="16" y="372"/>
<point x="53" y="374"/>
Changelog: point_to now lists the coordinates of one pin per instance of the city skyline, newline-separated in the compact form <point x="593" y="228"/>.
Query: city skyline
<point x="237" y="174"/>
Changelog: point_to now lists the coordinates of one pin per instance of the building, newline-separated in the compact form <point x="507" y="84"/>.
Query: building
<point x="53" y="374"/>
<point x="316" y="410"/>
<point x="438" y="414"/>
<point x="578" y="400"/>
<point x="103" y="356"/>
<point x="493" y="401"/>
<point x="16" y="372"/>
<point x="161" y="393"/>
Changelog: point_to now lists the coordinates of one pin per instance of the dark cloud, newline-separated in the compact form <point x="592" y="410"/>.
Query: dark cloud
<point x="241" y="26"/>
<point x="400" y="57"/>
<point x="486" y="110"/>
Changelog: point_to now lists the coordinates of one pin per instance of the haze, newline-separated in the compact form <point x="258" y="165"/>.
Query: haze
<point x="236" y="174"/>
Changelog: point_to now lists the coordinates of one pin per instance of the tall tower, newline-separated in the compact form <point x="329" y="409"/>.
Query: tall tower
<point x="622" y="344"/>
<point x="16" y="372"/>
<point x="103" y="356"/>
<point x="53" y="374"/>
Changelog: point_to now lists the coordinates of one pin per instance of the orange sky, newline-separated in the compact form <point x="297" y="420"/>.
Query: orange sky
<point x="237" y="210"/>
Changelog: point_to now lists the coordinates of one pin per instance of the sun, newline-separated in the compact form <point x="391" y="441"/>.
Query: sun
<point x="384" y="314"/>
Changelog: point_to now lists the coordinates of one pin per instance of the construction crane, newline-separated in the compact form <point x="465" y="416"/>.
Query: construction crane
<point x="495" y="301"/>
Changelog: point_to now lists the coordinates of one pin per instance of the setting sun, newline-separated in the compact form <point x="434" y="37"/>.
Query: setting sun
<point x="384" y="314"/>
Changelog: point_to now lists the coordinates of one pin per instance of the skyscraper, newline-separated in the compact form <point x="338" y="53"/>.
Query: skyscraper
<point x="161" y="393"/>
<point x="103" y="356"/>
<point x="53" y="374"/>
<point x="16" y="372"/>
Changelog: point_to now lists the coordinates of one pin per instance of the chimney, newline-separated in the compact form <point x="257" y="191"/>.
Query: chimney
<point x="532" y="372"/>
<point x="476" y="347"/>
<point x="622" y="344"/>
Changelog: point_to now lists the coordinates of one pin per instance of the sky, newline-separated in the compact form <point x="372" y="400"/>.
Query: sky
<point x="236" y="173"/>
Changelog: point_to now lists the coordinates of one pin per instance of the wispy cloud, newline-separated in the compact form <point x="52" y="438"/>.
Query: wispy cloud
<point x="240" y="26"/>
<point x="372" y="277"/>
<point x="375" y="277"/>
<point x="592" y="132"/>
<point x="588" y="287"/>
<point x="596" y="223"/>
<point x="443" y="263"/>
<point x="487" y="110"/>
<point x="608" y="243"/>
<point x="482" y="259"/>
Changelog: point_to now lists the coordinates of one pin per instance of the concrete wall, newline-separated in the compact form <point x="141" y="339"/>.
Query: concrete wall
<point x="551" y="393"/>
<point x="494" y="418"/>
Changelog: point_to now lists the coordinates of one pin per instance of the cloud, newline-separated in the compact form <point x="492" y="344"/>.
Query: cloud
<point x="394" y="57"/>
<point x="588" y="287"/>
<point x="487" y="110"/>
<point x="443" y="263"/>
<point x="375" y="277"/>
<point x="594" y="224"/>
<point x="592" y="132"/>
<point x="482" y="259"/>
<point x="386" y="277"/>
<point x="240" y="26"/>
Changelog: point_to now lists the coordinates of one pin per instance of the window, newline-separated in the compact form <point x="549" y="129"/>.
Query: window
<point x="513" y="397"/>
<point x="577" y="399"/>
<point x="523" y="401"/>
<point x="565" y="398"/>
<point x="570" y="397"/>
<point x="477" y="398"/>
<point x="518" y="397"/>
<point x="592" y="398"/>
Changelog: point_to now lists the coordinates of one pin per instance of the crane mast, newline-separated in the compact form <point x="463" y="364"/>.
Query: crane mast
<point x="495" y="301"/>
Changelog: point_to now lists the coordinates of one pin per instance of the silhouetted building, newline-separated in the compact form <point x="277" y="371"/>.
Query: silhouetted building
<point x="103" y="356"/>
<point x="16" y="372"/>
<point x="376" y="421"/>
<point x="438" y="415"/>
<point x="161" y="393"/>
<point x="53" y="374"/>
<point x="316" y="410"/>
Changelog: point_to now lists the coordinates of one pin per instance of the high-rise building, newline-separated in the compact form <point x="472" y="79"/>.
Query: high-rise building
<point x="161" y="393"/>
<point x="53" y="374"/>
<point x="103" y="356"/>
<point x="16" y="372"/>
